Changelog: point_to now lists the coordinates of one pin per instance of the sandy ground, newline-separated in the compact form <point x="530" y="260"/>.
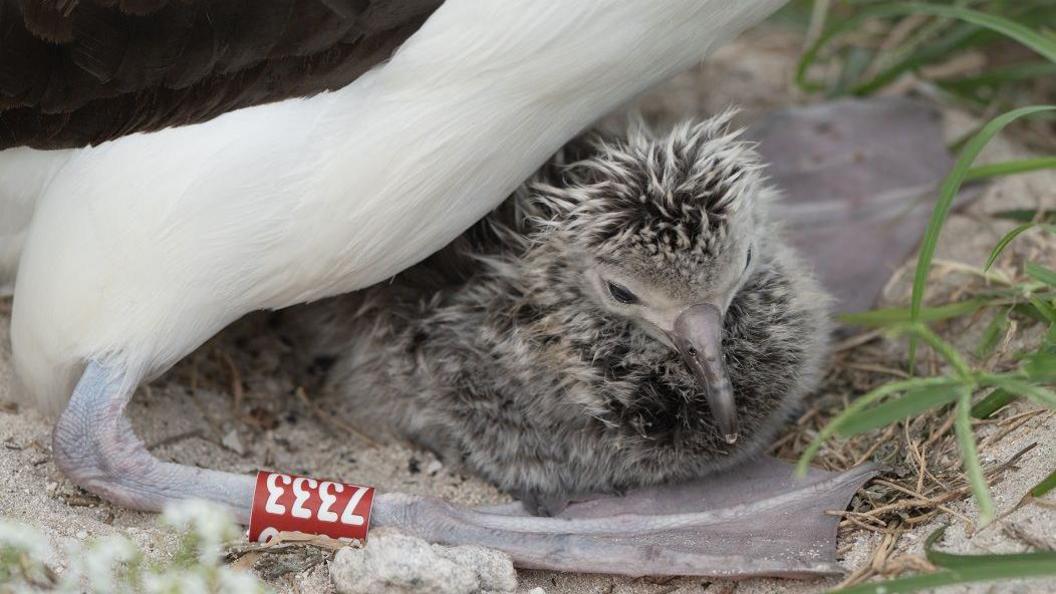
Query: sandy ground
<point x="192" y="416"/>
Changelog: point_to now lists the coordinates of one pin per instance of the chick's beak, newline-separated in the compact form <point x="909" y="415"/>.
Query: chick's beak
<point x="698" y="336"/>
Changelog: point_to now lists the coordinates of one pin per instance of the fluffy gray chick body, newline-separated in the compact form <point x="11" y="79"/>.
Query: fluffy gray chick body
<point x="511" y="354"/>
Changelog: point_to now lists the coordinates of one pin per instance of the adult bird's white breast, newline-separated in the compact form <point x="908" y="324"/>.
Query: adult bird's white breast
<point x="24" y="174"/>
<point x="142" y="248"/>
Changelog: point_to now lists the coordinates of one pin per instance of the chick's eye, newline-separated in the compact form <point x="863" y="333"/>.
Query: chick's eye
<point x="622" y="294"/>
<point x="748" y="260"/>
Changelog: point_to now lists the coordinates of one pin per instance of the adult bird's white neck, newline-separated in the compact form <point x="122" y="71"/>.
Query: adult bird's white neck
<point x="142" y="248"/>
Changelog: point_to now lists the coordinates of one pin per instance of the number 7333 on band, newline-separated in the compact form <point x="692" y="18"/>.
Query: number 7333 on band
<point x="289" y="503"/>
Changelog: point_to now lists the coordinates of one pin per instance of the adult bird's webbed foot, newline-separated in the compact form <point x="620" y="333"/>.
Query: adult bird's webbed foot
<point x="95" y="446"/>
<point x="755" y="520"/>
<point x="858" y="179"/>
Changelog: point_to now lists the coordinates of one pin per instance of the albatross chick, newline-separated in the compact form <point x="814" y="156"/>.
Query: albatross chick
<point x="629" y="317"/>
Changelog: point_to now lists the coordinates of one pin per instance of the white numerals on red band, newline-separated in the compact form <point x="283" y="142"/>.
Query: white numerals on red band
<point x="285" y="503"/>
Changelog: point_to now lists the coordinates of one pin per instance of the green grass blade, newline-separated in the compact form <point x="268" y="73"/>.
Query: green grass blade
<point x="913" y="402"/>
<point x="1024" y="215"/>
<point x="962" y="569"/>
<point x="899" y="315"/>
<point x="1045" y="45"/>
<point x="986" y="568"/>
<point x="1031" y="311"/>
<point x="945" y="560"/>
<point x="1038" y="394"/>
<point x="949" y="189"/>
<point x="933" y="555"/>
<point x="962" y="425"/>
<point x="961" y="38"/>
<point x="994" y="330"/>
<point x="1047" y="484"/>
<point x="1040" y="43"/>
<point x="1004" y="242"/>
<point x="943" y="348"/>
<point x="999" y="76"/>
<point x="1010" y="168"/>
<point x="1041" y="367"/>
<point x="810" y="55"/>
<point x="994" y="402"/>
<point x="857" y="61"/>
<point x="855" y="407"/>
<point x="958" y="562"/>
<point x="1041" y="273"/>
<point x="1044" y="308"/>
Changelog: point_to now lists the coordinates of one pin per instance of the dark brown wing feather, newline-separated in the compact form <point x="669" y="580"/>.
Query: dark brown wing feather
<point x="77" y="72"/>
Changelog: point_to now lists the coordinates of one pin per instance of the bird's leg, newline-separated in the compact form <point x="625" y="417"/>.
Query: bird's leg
<point x="754" y="520"/>
<point x="95" y="446"/>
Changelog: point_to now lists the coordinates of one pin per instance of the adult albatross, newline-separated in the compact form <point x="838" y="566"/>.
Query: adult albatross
<point x="127" y="254"/>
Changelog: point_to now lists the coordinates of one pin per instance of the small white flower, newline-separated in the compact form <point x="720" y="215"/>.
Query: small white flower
<point x="237" y="582"/>
<point x="212" y="524"/>
<point x="94" y="567"/>
<point x="104" y="557"/>
<point x="71" y="579"/>
<point x="175" y="582"/>
<point x="25" y="539"/>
